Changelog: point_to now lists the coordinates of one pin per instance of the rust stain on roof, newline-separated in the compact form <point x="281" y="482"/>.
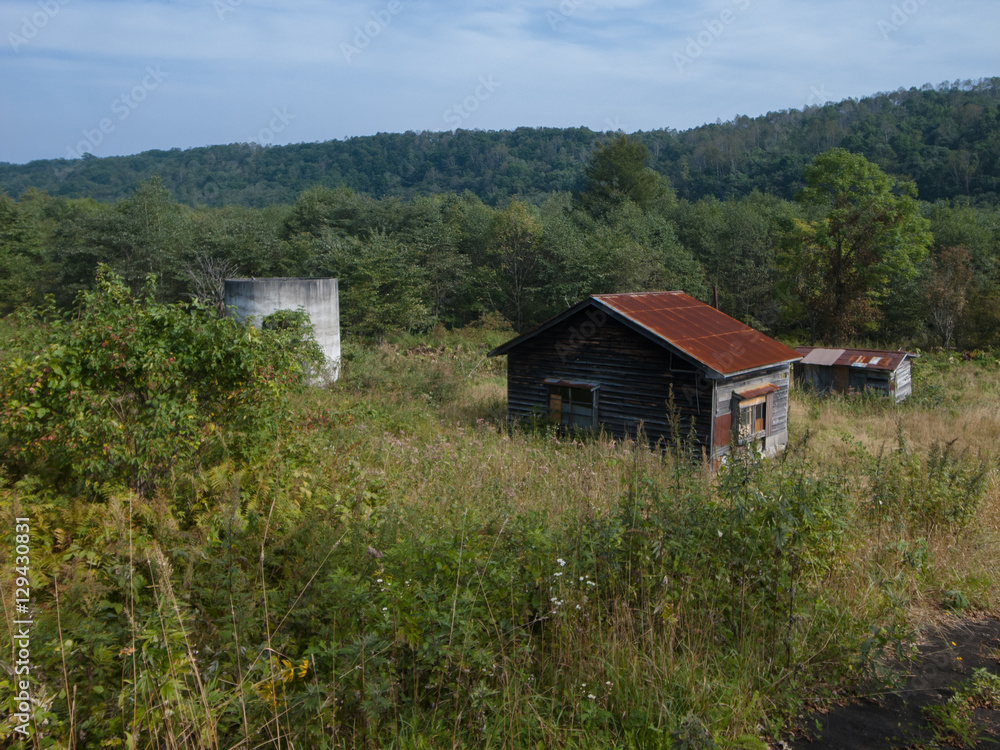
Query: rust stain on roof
<point x="872" y="359"/>
<point x="711" y="337"/>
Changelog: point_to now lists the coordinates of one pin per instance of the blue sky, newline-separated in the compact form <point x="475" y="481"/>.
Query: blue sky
<point x="122" y="76"/>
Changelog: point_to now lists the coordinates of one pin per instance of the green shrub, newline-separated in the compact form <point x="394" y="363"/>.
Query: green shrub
<point x="126" y="390"/>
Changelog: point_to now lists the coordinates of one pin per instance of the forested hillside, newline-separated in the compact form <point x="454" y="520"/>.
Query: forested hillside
<point x="855" y="257"/>
<point x="942" y="137"/>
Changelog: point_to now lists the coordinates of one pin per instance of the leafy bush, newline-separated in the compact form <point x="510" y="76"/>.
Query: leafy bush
<point x="126" y="390"/>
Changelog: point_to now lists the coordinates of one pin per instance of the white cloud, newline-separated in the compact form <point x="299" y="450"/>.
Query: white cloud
<point x="601" y="62"/>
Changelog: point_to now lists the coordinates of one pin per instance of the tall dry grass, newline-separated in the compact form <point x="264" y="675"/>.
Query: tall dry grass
<point x="450" y="582"/>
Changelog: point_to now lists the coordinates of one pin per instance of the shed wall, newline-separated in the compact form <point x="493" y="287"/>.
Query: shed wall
<point x="636" y="378"/>
<point x="841" y="379"/>
<point x="904" y="380"/>
<point x="778" y="375"/>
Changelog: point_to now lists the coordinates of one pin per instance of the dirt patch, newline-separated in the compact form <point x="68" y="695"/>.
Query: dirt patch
<point x="944" y="665"/>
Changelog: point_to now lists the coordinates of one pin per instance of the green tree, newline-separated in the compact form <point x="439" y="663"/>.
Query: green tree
<point x="21" y="253"/>
<point x="145" y="233"/>
<point x="946" y="290"/>
<point x="863" y="233"/>
<point x="737" y="242"/>
<point x="617" y="173"/>
<point x="382" y="286"/>
<point x="514" y="245"/>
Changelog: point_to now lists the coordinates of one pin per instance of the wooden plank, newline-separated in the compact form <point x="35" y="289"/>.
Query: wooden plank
<point x="841" y="379"/>
<point x="723" y="430"/>
<point x="633" y="373"/>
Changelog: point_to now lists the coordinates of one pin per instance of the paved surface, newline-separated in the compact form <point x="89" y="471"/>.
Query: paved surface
<point x="897" y="720"/>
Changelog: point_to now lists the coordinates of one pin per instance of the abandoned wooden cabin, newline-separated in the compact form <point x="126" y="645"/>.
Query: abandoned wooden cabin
<point x="615" y="361"/>
<point x="844" y="370"/>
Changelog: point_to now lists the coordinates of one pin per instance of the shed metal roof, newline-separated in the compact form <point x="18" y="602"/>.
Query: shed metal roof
<point x="705" y="334"/>
<point x="761" y="390"/>
<point x="872" y="359"/>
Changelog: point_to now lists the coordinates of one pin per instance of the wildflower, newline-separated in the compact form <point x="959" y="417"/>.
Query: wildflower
<point x="562" y="563"/>
<point x="720" y="533"/>
<point x="591" y="696"/>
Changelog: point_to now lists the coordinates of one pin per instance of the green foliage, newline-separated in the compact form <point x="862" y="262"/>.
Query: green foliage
<point x="907" y="492"/>
<point x="616" y="175"/>
<point x="373" y="574"/>
<point x="867" y="235"/>
<point x="381" y="285"/>
<point x="953" y="722"/>
<point x="515" y="233"/>
<point x="21" y="252"/>
<point x="406" y="265"/>
<point x="128" y="390"/>
<point x="941" y="135"/>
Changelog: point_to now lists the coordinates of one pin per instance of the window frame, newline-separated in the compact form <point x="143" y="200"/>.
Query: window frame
<point x="569" y="394"/>
<point x="753" y="405"/>
<point x="748" y="413"/>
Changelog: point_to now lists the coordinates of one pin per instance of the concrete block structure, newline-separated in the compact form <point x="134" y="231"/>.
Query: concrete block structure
<point x="254" y="299"/>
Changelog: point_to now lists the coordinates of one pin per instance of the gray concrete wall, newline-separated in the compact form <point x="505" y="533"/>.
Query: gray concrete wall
<point x="254" y="299"/>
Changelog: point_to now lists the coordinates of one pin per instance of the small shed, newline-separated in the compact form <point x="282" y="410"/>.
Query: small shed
<point x="843" y="370"/>
<point x="616" y="361"/>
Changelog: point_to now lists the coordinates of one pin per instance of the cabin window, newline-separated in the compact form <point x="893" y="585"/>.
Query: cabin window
<point x="752" y="420"/>
<point x="753" y="413"/>
<point x="572" y="405"/>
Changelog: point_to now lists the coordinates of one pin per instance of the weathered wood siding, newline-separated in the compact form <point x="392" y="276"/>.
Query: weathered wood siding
<point x="904" y="380"/>
<point x="635" y="376"/>
<point x="778" y="375"/>
<point x="844" y="378"/>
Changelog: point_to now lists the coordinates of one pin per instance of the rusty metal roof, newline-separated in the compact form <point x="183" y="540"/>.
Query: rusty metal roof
<point x="871" y="359"/>
<point x="699" y="330"/>
<point x="705" y="334"/>
<point x="761" y="390"/>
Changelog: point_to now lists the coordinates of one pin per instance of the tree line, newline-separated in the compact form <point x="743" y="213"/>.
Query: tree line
<point x="943" y="137"/>
<point x="854" y="257"/>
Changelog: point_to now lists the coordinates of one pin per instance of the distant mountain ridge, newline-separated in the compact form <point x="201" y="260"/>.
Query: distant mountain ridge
<point x="945" y="137"/>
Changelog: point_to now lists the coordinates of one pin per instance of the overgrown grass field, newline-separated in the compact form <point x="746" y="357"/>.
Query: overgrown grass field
<point x="398" y="569"/>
